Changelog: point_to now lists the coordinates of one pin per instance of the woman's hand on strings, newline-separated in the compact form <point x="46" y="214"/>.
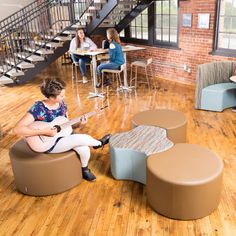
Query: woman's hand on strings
<point x="83" y="120"/>
<point x="50" y="132"/>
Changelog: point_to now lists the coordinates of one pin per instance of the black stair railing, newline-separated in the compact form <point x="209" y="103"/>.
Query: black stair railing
<point x="25" y="32"/>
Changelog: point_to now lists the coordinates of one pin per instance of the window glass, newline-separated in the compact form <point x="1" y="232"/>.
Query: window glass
<point x="227" y="25"/>
<point x="166" y="20"/>
<point x="138" y="27"/>
<point x="163" y="30"/>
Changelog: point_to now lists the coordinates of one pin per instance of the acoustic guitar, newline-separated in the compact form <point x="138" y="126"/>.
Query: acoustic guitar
<point x="40" y="143"/>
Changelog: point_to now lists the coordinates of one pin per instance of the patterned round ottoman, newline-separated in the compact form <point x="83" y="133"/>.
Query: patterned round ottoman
<point x="174" y="122"/>
<point x="41" y="174"/>
<point x="184" y="182"/>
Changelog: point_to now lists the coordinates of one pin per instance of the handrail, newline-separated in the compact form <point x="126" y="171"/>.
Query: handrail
<point x="40" y="19"/>
<point x="84" y="6"/>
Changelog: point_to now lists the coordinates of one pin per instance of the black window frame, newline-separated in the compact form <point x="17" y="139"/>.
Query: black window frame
<point x="151" y="41"/>
<point x="216" y="50"/>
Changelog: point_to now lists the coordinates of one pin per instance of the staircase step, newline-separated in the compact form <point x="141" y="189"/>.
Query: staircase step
<point x="94" y="8"/>
<point x="63" y="38"/>
<point x="76" y="26"/>
<point x="49" y="44"/>
<point x="5" y="80"/>
<point x="69" y="32"/>
<point x="128" y="2"/>
<point x="23" y="65"/>
<point x="12" y="72"/>
<point x="41" y="51"/>
<point x="100" y="1"/>
<point x="107" y="25"/>
<point x="108" y="20"/>
<point x="88" y="14"/>
<point x="32" y="58"/>
<point x="58" y="38"/>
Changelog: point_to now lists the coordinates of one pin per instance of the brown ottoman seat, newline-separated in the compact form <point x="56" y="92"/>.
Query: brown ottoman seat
<point x="40" y="174"/>
<point x="174" y="122"/>
<point x="184" y="182"/>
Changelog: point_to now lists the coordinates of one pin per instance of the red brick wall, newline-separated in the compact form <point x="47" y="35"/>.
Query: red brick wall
<point x="195" y="46"/>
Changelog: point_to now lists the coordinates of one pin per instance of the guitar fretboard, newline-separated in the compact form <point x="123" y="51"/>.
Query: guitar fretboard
<point x="77" y="120"/>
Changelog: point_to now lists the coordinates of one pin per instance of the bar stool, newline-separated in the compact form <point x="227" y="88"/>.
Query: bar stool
<point x="74" y="73"/>
<point x="142" y="64"/>
<point x="115" y="74"/>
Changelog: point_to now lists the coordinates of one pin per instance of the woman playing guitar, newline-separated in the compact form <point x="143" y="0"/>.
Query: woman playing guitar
<point x="49" y="109"/>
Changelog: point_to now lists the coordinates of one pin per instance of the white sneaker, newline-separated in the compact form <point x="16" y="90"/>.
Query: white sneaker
<point x="85" y="80"/>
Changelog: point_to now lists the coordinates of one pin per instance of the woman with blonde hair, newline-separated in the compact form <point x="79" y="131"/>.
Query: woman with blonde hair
<point x="116" y="56"/>
<point x="83" y="43"/>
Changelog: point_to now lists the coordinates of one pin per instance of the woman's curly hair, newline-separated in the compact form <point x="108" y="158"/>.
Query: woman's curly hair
<point x="52" y="87"/>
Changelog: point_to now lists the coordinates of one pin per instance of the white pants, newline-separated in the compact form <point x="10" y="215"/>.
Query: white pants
<point x="78" y="142"/>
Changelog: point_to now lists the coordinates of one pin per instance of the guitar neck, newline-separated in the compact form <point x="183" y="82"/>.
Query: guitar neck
<point x="77" y="120"/>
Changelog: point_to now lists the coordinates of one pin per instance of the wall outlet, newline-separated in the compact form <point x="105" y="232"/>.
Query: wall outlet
<point x="189" y="70"/>
<point x="185" y="67"/>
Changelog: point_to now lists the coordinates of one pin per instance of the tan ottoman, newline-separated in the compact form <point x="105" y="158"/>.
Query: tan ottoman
<point x="174" y="122"/>
<point x="184" y="182"/>
<point x="40" y="174"/>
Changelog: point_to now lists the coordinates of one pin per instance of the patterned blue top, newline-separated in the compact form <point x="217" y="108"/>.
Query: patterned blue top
<point x="41" y="113"/>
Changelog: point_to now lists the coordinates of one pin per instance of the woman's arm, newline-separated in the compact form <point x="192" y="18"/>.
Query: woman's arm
<point x="92" y="45"/>
<point x="81" y="124"/>
<point x="112" y="52"/>
<point x="72" y="45"/>
<point x="22" y="128"/>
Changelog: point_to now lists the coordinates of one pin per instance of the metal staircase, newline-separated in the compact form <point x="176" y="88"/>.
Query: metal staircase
<point x="41" y="32"/>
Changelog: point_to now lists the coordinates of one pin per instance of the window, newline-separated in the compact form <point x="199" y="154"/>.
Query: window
<point x="225" y="41"/>
<point x="166" y="21"/>
<point x="139" y="26"/>
<point x="157" y="25"/>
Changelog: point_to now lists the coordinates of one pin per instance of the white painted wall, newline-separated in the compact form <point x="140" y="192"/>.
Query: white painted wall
<point x="8" y="7"/>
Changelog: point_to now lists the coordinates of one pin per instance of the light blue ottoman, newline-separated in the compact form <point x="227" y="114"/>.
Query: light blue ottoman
<point x="218" y="97"/>
<point x="129" y="151"/>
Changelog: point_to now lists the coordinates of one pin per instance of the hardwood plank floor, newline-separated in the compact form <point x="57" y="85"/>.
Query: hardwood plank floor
<point x="108" y="206"/>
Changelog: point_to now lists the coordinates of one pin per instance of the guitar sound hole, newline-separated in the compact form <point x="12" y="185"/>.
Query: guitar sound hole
<point x="58" y="128"/>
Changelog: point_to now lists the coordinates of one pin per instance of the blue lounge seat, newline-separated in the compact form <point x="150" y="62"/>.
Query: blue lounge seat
<point x="218" y="97"/>
<point x="213" y="73"/>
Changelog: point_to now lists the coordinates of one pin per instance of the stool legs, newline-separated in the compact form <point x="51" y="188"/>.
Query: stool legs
<point x="148" y="82"/>
<point x="74" y="73"/>
<point x="153" y="79"/>
<point x="102" y="82"/>
<point x="135" y="76"/>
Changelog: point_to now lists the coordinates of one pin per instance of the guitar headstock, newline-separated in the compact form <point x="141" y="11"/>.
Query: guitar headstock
<point x="100" y="109"/>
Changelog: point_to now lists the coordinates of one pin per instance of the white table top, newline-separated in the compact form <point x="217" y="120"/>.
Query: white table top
<point x="233" y="78"/>
<point x="127" y="48"/>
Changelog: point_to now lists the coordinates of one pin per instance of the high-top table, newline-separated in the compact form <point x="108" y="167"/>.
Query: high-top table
<point x="233" y="78"/>
<point x="99" y="51"/>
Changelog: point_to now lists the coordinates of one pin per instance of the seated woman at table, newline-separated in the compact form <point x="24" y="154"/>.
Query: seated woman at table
<point x="52" y="108"/>
<point x="83" y="43"/>
<point x="116" y="56"/>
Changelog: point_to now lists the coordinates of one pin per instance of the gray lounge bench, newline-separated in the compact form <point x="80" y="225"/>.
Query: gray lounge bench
<point x="214" y="90"/>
